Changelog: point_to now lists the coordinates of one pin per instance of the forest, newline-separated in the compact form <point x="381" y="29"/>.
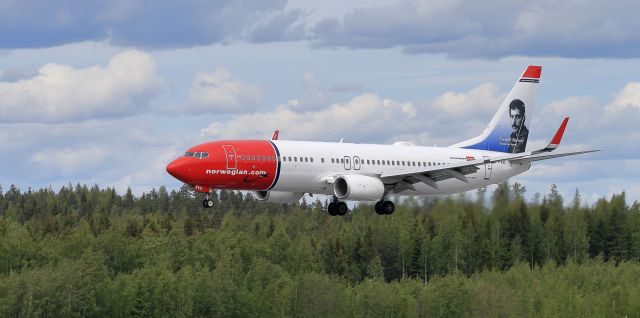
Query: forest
<point x="89" y="252"/>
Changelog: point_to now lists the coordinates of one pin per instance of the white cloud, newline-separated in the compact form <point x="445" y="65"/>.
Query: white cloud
<point x="219" y="91"/>
<point x="61" y="93"/>
<point x="69" y="161"/>
<point x="628" y="97"/>
<point x="371" y="118"/>
<point x="483" y="98"/>
<point x="162" y="24"/>
<point x="583" y="111"/>
<point x="363" y="115"/>
<point x="611" y="127"/>
<point x="489" y="29"/>
<point x="315" y="96"/>
<point x="118" y="153"/>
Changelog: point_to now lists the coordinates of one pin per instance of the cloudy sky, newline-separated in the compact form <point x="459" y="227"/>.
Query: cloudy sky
<point x="108" y="92"/>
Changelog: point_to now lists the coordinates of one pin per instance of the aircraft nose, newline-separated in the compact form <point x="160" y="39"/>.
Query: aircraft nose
<point x="177" y="168"/>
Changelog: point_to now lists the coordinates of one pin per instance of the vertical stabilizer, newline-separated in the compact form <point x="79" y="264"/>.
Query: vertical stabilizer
<point x="508" y="131"/>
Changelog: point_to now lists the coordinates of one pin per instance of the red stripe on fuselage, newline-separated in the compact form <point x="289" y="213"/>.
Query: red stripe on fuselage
<point x="231" y="164"/>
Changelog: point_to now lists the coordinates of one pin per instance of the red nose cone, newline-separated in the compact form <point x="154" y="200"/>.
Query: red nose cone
<point x="171" y="168"/>
<point x="178" y="169"/>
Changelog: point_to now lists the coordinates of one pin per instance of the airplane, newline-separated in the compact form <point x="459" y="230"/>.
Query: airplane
<point x="283" y="171"/>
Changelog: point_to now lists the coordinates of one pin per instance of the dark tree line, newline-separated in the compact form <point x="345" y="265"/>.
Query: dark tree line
<point x="86" y="251"/>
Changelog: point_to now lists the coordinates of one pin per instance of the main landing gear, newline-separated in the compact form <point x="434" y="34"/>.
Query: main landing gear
<point x="384" y="206"/>
<point x="207" y="203"/>
<point x="337" y="207"/>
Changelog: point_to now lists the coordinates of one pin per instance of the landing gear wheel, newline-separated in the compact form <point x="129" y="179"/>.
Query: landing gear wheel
<point x="332" y="209"/>
<point x="207" y="203"/>
<point x="387" y="207"/>
<point x="378" y="208"/>
<point x="341" y="208"/>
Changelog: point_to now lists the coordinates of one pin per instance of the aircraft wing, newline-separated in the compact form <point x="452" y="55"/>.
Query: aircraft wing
<point x="432" y="175"/>
<point x="459" y="170"/>
<point x="545" y="156"/>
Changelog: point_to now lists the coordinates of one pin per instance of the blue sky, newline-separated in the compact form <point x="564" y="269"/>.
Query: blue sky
<point x="108" y="92"/>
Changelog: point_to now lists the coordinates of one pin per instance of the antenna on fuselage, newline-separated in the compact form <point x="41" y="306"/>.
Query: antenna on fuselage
<point x="275" y="135"/>
<point x="341" y="140"/>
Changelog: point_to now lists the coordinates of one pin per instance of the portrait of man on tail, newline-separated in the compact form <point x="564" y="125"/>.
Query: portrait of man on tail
<point x="519" y="132"/>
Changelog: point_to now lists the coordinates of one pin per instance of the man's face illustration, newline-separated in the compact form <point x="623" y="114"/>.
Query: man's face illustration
<point x="517" y="116"/>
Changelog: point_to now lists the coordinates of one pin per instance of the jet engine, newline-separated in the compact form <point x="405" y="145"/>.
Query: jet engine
<point x="358" y="188"/>
<point x="278" y="196"/>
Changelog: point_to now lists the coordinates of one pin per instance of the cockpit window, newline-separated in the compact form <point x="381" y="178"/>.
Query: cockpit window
<point x="199" y="155"/>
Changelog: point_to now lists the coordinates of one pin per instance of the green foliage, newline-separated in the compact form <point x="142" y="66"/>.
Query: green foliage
<point x="92" y="252"/>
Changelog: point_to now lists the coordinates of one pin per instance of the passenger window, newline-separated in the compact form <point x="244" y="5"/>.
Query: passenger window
<point x="322" y="160"/>
<point x="205" y="154"/>
<point x="289" y="158"/>
<point x="295" y="159"/>
<point x="306" y="159"/>
<point x="341" y="160"/>
<point x="311" y="159"/>
<point x="403" y="163"/>
<point x="332" y="160"/>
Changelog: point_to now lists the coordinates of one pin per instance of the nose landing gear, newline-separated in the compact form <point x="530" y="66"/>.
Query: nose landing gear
<point x="207" y="203"/>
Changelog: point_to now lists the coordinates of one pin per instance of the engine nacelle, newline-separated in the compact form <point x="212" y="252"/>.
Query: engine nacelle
<point x="278" y="196"/>
<point x="358" y="188"/>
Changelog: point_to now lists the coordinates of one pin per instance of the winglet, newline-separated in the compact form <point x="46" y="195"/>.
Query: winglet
<point x="555" y="141"/>
<point x="558" y="136"/>
<point x="275" y="135"/>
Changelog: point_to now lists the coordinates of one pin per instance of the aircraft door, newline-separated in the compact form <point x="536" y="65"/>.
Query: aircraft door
<point x="356" y="163"/>
<point x="230" y="154"/>
<point x="488" y="169"/>
<point x="347" y="163"/>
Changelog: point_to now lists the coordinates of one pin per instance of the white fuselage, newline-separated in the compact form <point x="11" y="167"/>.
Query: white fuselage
<point x="307" y="166"/>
